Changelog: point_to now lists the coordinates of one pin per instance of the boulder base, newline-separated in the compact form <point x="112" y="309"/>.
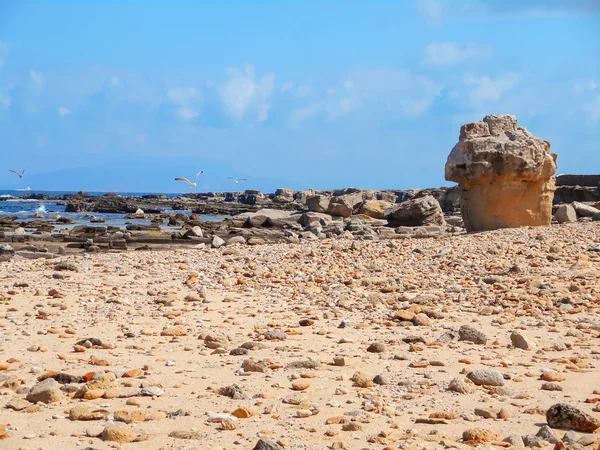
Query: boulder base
<point x="506" y="204"/>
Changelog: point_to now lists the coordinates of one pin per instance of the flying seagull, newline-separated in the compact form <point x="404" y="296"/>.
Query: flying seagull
<point x="20" y="175"/>
<point x="192" y="185"/>
<point x="237" y="181"/>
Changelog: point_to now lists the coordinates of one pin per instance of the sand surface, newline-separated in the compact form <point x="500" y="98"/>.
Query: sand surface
<point x="315" y="301"/>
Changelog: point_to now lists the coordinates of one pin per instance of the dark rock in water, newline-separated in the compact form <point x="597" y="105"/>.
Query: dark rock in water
<point x="75" y="207"/>
<point x="420" y="211"/>
<point x="65" y="220"/>
<point x="267" y="445"/>
<point x="562" y="415"/>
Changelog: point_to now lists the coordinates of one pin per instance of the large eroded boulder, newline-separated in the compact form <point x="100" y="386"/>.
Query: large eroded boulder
<point x="413" y="213"/>
<point x="505" y="175"/>
<point x="375" y="208"/>
<point x="345" y="205"/>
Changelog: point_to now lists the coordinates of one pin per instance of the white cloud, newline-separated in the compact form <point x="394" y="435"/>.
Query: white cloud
<point x="185" y="98"/>
<point x="440" y="54"/>
<point x="187" y="113"/>
<point x="486" y="89"/>
<point x="263" y="112"/>
<point x="398" y="91"/>
<point x="4" y="51"/>
<point x="243" y="92"/>
<point x="303" y="91"/>
<point x="287" y="86"/>
<point x="300" y="114"/>
<point x="584" y="86"/>
<point x="433" y="10"/>
<point x="342" y="107"/>
<point x="62" y="111"/>
<point x="383" y="94"/>
<point x="37" y="79"/>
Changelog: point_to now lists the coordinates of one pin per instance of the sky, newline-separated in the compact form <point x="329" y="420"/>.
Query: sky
<point x="124" y="96"/>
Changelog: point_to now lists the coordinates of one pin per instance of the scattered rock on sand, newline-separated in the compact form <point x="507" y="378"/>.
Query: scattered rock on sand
<point x="474" y="436"/>
<point x="565" y="214"/>
<point x="521" y="341"/>
<point x="486" y="377"/>
<point x="562" y="415"/>
<point x="468" y="333"/>
<point x="117" y="433"/>
<point x="47" y="391"/>
<point x="267" y="445"/>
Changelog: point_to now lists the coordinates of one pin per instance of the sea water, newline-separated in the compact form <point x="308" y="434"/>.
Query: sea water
<point x="29" y="209"/>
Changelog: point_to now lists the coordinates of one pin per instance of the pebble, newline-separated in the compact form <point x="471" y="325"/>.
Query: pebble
<point x="562" y="415"/>
<point x="486" y="377"/>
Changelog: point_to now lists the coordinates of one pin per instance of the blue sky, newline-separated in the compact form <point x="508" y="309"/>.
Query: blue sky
<point x="112" y="95"/>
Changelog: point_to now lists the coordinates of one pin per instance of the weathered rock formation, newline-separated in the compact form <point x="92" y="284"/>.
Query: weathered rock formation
<point x="505" y="175"/>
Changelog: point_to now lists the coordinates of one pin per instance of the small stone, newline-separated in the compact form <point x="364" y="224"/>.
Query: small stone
<point x="489" y="413"/>
<point x="152" y="391"/>
<point x="382" y="379"/>
<point x="551" y="387"/>
<point x="47" y="391"/>
<point x="461" y="385"/>
<point x="552" y="376"/>
<point x="352" y="426"/>
<point x="480" y="436"/>
<point x="521" y="341"/>
<point x="300" y="386"/>
<point x="422" y="320"/>
<point x="546" y="434"/>
<point x="174" y="331"/>
<point x="94" y="431"/>
<point x="241" y="413"/>
<point x="251" y="365"/>
<point x="515" y="440"/>
<point x="376" y="347"/>
<point x="562" y="415"/>
<point x="267" y="445"/>
<point x="362" y="380"/>
<point x="339" y="361"/>
<point x="468" y="333"/>
<point x="117" y="433"/>
<point x="234" y="392"/>
<point x="486" y="377"/>
<point x="17" y="404"/>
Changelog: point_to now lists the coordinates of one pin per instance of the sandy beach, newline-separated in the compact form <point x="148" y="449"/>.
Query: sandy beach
<point x="335" y="343"/>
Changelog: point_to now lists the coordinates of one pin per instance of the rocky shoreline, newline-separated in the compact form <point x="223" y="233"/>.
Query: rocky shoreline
<point x="255" y="218"/>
